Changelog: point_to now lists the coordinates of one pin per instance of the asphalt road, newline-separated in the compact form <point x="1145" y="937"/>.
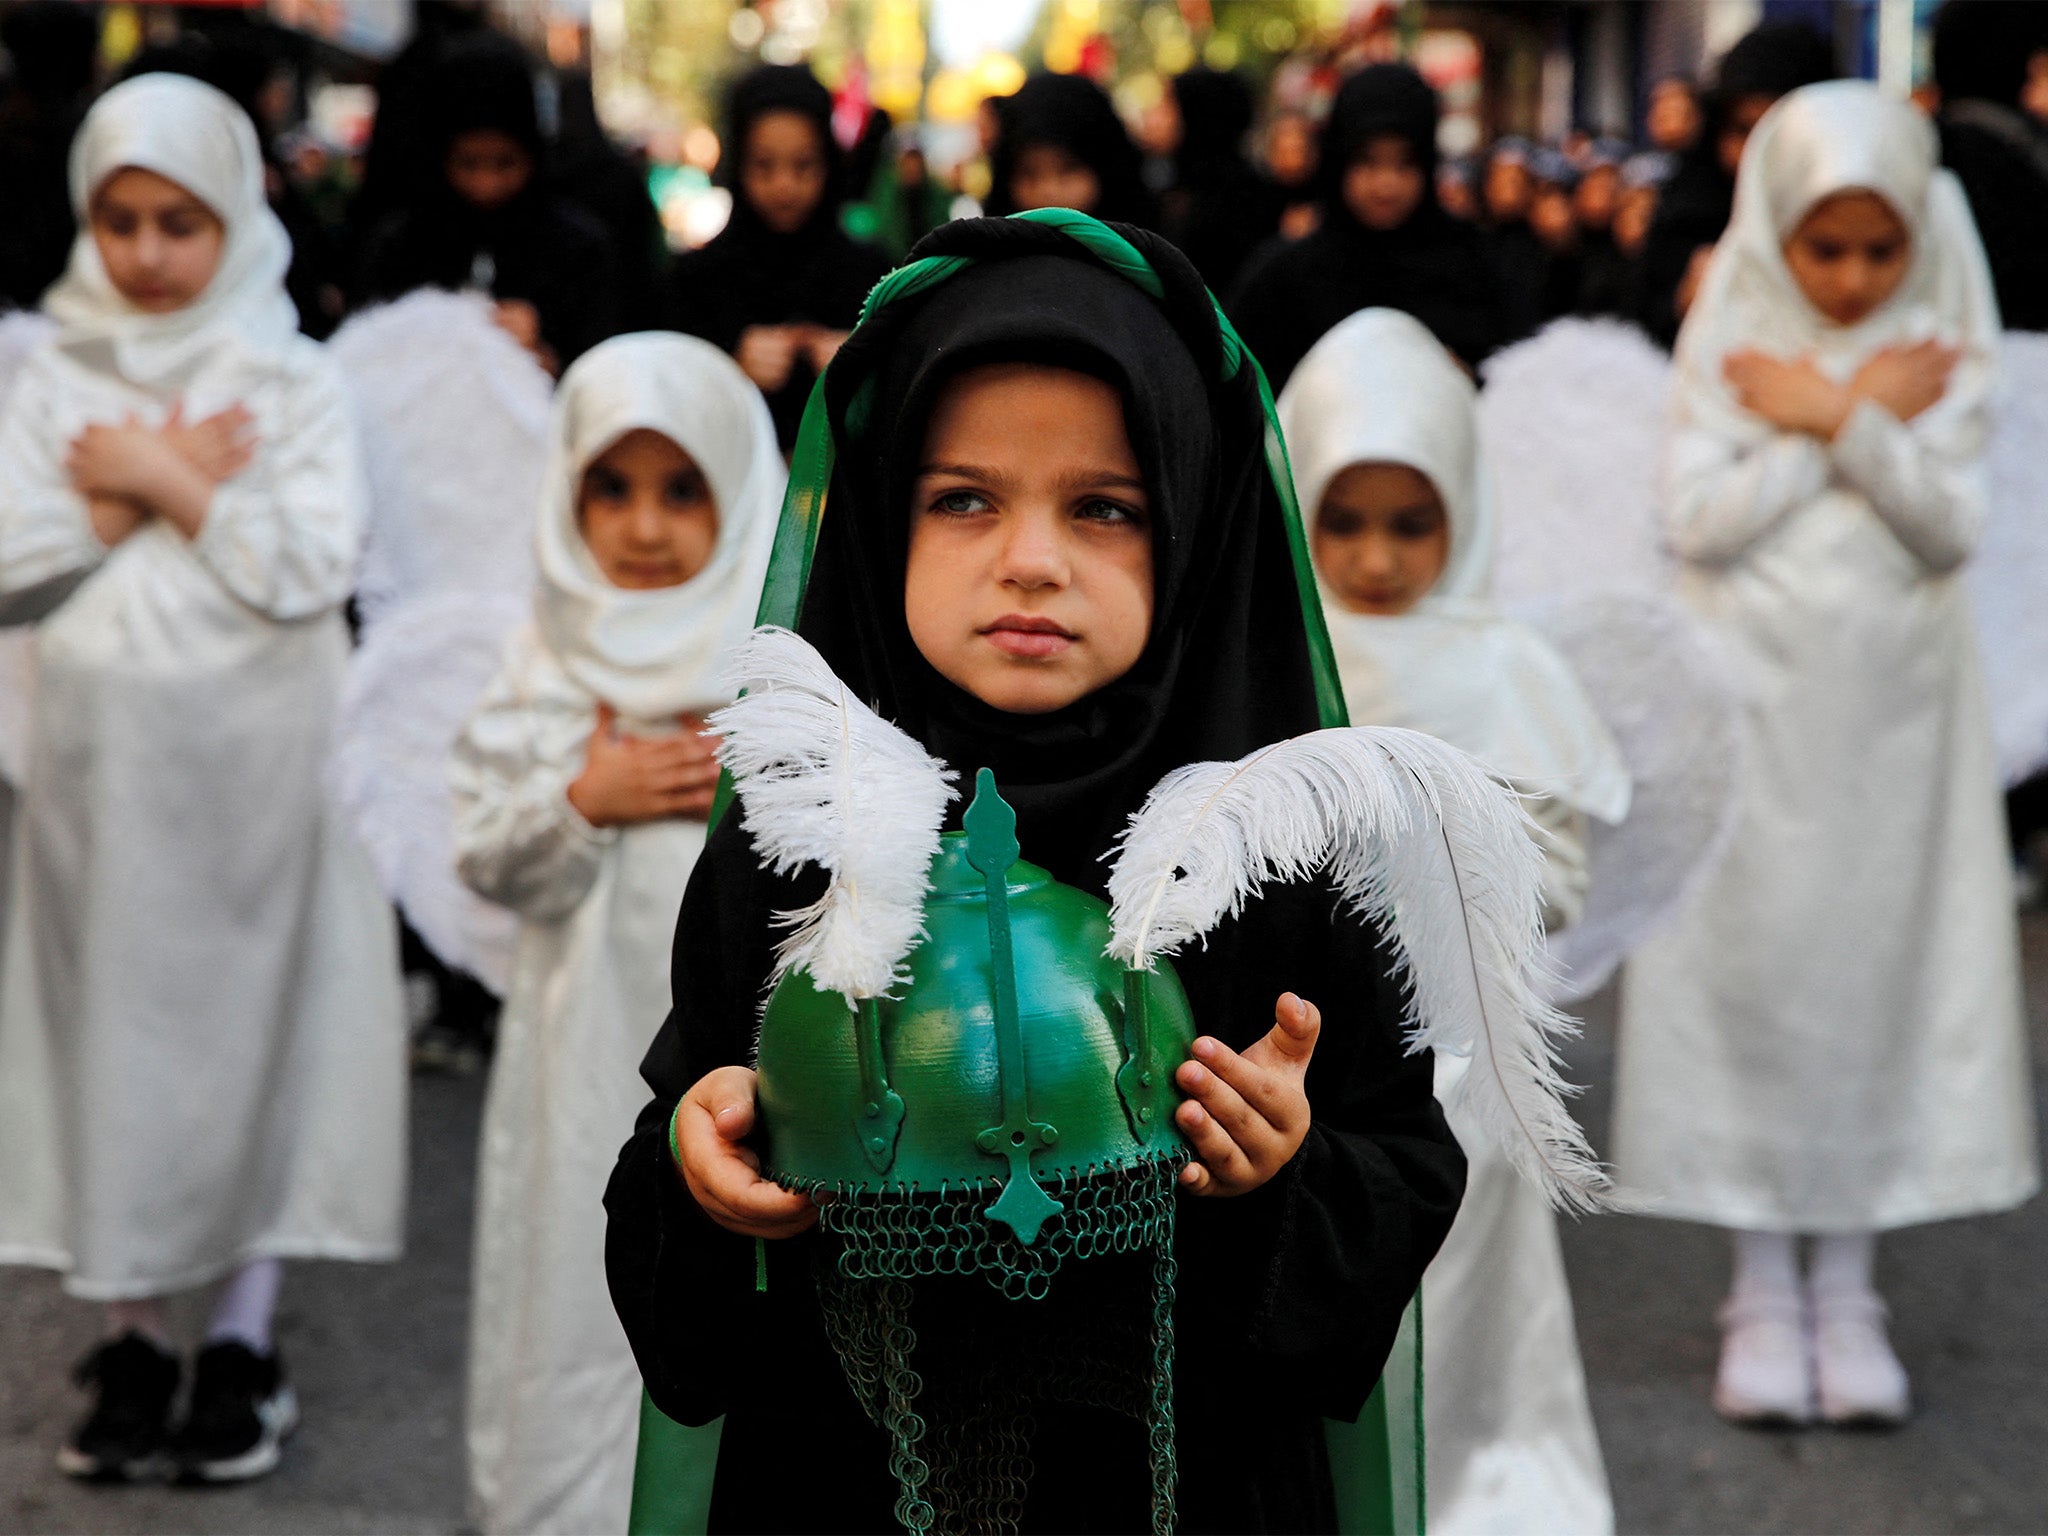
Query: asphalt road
<point x="377" y="1352"/>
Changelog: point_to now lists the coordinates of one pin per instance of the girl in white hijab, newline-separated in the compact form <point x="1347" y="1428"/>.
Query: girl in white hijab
<point x="1829" y="1041"/>
<point x="1382" y="429"/>
<point x="582" y="785"/>
<point x="202" y="1063"/>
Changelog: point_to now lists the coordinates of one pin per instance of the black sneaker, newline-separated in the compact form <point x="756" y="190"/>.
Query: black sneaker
<point x="125" y="1435"/>
<point x="241" y="1410"/>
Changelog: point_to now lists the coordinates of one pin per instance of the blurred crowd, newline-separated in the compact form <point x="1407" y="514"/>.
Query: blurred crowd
<point x="487" y="168"/>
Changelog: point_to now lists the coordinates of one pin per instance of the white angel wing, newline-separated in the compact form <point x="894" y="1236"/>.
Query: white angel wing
<point x="1661" y="693"/>
<point x="454" y="420"/>
<point x="412" y="686"/>
<point x="2008" y="576"/>
<point x="21" y="331"/>
<point x="1572" y="421"/>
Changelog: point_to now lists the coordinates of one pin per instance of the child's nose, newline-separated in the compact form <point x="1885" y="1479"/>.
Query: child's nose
<point x="1034" y="553"/>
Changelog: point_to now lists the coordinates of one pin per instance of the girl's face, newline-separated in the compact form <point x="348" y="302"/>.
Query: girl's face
<point x="1029" y="582"/>
<point x="1383" y="184"/>
<point x="783" y="169"/>
<point x="1849" y="254"/>
<point x="1047" y="176"/>
<point x="647" y="513"/>
<point x="1381" y="538"/>
<point x="1507" y="189"/>
<point x="487" y="168"/>
<point x="160" y="245"/>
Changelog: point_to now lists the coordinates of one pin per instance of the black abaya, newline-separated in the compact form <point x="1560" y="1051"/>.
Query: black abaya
<point x="751" y="275"/>
<point x="1433" y="266"/>
<point x="1288" y="1297"/>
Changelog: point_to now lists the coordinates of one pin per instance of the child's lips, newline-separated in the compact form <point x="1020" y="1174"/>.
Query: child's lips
<point x="1017" y="635"/>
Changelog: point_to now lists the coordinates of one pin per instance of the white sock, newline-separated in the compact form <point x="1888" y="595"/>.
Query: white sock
<point x="1843" y="1264"/>
<point x="143" y="1315"/>
<point x="1766" y="1267"/>
<point x="245" y="1306"/>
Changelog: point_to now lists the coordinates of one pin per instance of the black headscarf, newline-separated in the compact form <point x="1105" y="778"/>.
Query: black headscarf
<point x="1076" y="115"/>
<point x="753" y="275"/>
<point x="1380" y="101"/>
<point x="1290" y="1294"/>
<point x="534" y="247"/>
<point x="780" y="88"/>
<point x="1219" y="209"/>
<point x="1227" y="666"/>
<point x="1432" y="267"/>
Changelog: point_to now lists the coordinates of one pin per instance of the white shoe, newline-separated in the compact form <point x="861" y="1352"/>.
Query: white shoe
<point x="1860" y="1378"/>
<point x="1766" y="1374"/>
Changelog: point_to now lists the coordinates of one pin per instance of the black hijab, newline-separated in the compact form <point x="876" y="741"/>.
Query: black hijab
<point x="1076" y="115"/>
<point x="535" y="246"/>
<point x="1432" y="267"/>
<point x="750" y="274"/>
<point x="1227" y="666"/>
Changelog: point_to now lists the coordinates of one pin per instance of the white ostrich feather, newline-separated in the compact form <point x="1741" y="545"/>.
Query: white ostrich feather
<point x="1418" y="839"/>
<point x="825" y="780"/>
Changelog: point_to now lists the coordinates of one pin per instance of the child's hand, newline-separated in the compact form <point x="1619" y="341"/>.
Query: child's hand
<point x="1246" y="1115"/>
<point x="124" y="459"/>
<point x="1906" y="380"/>
<point x="1795" y="397"/>
<point x="219" y="447"/>
<point x="113" y="518"/>
<point x="767" y="353"/>
<point x="724" y="1177"/>
<point x="627" y="779"/>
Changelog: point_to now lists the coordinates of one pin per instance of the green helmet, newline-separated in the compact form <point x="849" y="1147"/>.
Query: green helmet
<point x="1010" y="1109"/>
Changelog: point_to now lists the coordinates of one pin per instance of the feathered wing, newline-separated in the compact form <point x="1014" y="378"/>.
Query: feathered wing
<point x="21" y="332"/>
<point x="454" y="419"/>
<point x="412" y="686"/>
<point x="824" y="780"/>
<point x="1418" y="840"/>
<point x="1572" y="421"/>
<point x="2008" y="577"/>
<point x="1662" y="693"/>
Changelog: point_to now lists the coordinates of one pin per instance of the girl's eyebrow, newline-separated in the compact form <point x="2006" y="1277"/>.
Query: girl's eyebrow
<point x="981" y="474"/>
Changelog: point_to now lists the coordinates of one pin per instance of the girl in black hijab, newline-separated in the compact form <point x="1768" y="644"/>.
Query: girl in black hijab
<point x="782" y="283"/>
<point x="1218" y="210"/>
<point x="1289" y="1295"/>
<point x="485" y="218"/>
<point x="1060" y="144"/>
<point x="1384" y="239"/>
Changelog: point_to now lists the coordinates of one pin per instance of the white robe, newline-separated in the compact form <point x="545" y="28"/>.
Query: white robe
<point x="553" y="1391"/>
<point x="202" y="1055"/>
<point x="1830" y="1037"/>
<point x="1510" y="1443"/>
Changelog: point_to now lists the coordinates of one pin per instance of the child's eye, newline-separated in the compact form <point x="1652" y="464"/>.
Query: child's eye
<point x="688" y="489"/>
<point x="960" y="503"/>
<point x="1101" y="509"/>
<point x="1415" y="525"/>
<point x="604" y="485"/>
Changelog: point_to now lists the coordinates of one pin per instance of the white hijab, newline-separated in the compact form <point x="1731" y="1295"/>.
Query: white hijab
<point x="192" y="134"/>
<point x="1840" y="136"/>
<point x="654" y="654"/>
<point x="1380" y="389"/>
